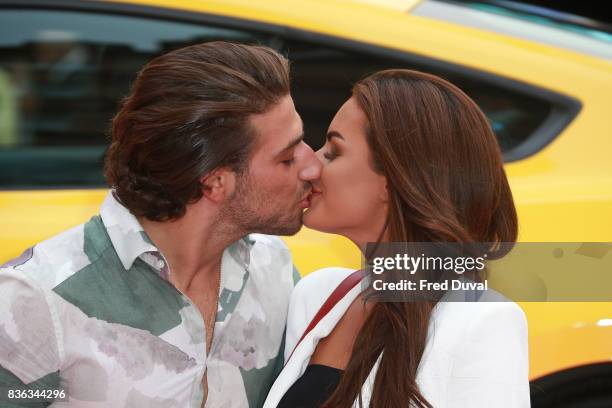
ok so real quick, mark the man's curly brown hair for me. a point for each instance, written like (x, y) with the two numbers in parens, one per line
(186, 115)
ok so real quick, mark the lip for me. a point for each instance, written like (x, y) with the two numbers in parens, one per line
(315, 192)
(305, 202)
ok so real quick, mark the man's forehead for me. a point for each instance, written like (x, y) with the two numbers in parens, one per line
(281, 111)
(278, 127)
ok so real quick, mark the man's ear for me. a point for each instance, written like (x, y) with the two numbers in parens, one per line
(219, 184)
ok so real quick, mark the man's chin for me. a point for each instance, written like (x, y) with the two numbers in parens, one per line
(290, 232)
(286, 229)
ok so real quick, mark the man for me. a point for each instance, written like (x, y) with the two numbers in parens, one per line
(166, 299)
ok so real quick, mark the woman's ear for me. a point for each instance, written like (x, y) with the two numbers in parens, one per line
(218, 185)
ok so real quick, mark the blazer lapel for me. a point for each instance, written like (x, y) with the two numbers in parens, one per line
(297, 363)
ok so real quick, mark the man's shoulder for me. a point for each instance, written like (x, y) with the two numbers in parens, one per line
(273, 259)
(50, 262)
(271, 252)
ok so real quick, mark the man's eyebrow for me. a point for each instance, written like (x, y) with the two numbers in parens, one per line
(332, 134)
(290, 145)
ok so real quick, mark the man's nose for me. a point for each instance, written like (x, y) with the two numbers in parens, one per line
(319, 154)
(312, 167)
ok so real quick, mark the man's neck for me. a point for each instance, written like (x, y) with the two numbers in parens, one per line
(192, 245)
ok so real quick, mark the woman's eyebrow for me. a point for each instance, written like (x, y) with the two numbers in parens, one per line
(333, 134)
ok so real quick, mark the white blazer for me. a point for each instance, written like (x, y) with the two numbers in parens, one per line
(476, 354)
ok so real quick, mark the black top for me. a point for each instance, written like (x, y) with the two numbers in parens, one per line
(313, 388)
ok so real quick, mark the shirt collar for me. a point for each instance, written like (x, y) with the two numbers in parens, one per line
(130, 240)
(125, 232)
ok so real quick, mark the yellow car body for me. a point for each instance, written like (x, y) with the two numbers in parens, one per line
(563, 192)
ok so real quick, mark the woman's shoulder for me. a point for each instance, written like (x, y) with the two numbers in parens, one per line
(492, 324)
(323, 279)
(505, 313)
(491, 305)
(307, 297)
(314, 288)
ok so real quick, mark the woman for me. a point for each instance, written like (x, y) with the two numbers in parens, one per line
(409, 158)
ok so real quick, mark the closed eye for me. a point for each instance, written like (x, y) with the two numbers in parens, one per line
(331, 155)
(288, 162)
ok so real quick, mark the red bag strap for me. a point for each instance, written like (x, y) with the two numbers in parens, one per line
(341, 290)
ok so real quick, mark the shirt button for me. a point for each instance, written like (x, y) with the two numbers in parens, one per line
(161, 264)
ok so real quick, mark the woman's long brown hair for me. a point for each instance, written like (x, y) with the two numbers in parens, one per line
(446, 183)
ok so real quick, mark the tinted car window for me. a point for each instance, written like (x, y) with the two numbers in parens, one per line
(323, 77)
(62, 75)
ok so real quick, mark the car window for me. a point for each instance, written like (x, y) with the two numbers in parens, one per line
(323, 77)
(62, 75)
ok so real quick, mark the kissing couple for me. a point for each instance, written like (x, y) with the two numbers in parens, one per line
(180, 294)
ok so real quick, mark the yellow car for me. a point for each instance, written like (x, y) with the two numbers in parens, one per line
(544, 81)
